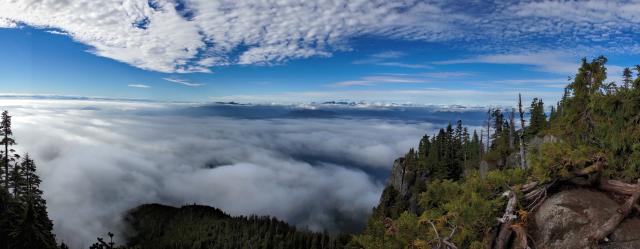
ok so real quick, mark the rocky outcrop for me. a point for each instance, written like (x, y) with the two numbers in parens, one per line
(397, 180)
(567, 219)
(536, 142)
(407, 180)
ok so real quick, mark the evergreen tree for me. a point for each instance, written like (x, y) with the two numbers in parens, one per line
(538, 119)
(424, 146)
(636, 82)
(7, 141)
(476, 144)
(17, 180)
(24, 222)
(30, 233)
(578, 116)
(627, 78)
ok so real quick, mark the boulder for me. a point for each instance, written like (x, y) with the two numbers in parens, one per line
(567, 219)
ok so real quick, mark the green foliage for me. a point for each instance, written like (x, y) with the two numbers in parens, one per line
(24, 222)
(538, 118)
(194, 226)
(594, 119)
(558, 160)
(470, 204)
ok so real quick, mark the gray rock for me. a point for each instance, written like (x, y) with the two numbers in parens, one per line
(397, 178)
(567, 219)
(484, 169)
(537, 141)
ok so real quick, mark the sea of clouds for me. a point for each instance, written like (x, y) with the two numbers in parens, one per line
(99, 159)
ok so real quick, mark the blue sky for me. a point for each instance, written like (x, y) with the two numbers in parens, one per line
(426, 52)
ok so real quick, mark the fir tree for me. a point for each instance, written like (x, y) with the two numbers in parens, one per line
(7, 141)
(636, 82)
(538, 119)
(627, 78)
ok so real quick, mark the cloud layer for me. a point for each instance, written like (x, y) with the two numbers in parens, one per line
(99, 158)
(204, 33)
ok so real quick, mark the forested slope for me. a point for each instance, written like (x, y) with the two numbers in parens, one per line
(485, 190)
(195, 226)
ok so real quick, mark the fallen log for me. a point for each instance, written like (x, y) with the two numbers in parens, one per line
(613, 222)
(618, 187)
(506, 221)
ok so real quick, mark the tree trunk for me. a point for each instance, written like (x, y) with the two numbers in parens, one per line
(512, 127)
(488, 129)
(523, 161)
(6, 162)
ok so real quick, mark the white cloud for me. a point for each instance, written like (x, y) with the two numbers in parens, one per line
(158, 37)
(7, 23)
(299, 170)
(213, 33)
(445, 75)
(435, 96)
(388, 58)
(559, 62)
(183, 82)
(56, 32)
(138, 86)
(381, 79)
(389, 55)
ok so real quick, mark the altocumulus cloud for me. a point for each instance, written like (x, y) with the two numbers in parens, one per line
(208, 33)
(100, 158)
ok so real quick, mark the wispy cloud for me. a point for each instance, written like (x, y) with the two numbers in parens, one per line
(445, 75)
(322, 28)
(138, 86)
(57, 32)
(267, 31)
(183, 82)
(389, 55)
(530, 81)
(560, 62)
(534, 83)
(390, 59)
(379, 80)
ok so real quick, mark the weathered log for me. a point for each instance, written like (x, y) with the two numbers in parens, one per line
(528, 187)
(520, 241)
(511, 205)
(618, 187)
(507, 218)
(613, 222)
